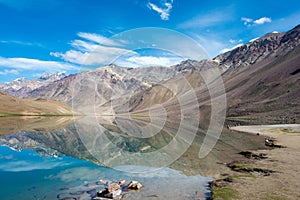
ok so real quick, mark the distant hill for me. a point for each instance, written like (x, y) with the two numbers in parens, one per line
(21, 87)
(10, 106)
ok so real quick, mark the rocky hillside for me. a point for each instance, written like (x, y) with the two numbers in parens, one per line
(111, 82)
(263, 49)
(22, 87)
(264, 85)
(261, 80)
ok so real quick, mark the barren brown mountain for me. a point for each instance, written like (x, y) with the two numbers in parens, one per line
(10, 105)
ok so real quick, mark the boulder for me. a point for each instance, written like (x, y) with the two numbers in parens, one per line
(134, 185)
(113, 187)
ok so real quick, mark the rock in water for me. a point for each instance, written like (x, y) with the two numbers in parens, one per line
(122, 182)
(116, 194)
(112, 191)
(113, 187)
(110, 195)
(134, 185)
(102, 182)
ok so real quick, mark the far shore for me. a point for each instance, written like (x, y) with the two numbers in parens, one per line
(284, 180)
(14, 123)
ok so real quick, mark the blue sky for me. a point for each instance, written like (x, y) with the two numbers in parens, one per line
(59, 35)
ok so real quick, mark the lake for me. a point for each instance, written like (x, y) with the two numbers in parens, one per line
(61, 158)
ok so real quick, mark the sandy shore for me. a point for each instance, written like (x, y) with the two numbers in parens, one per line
(284, 183)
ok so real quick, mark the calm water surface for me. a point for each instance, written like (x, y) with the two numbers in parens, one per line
(45, 164)
(68, 162)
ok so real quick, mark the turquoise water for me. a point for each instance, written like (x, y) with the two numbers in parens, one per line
(26, 175)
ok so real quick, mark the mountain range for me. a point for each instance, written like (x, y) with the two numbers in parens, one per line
(261, 80)
(21, 87)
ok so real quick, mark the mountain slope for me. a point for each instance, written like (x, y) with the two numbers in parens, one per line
(261, 81)
(271, 88)
(263, 49)
(105, 82)
(267, 89)
(10, 105)
(21, 87)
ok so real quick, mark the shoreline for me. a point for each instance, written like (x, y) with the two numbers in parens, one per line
(264, 174)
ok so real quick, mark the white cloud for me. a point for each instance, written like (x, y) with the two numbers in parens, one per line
(84, 52)
(77, 173)
(83, 45)
(71, 56)
(232, 41)
(260, 21)
(34, 64)
(100, 55)
(98, 50)
(98, 39)
(229, 49)
(6, 72)
(27, 165)
(21, 43)
(263, 20)
(146, 61)
(246, 20)
(164, 12)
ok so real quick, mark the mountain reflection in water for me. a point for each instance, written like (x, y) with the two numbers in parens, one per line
(76, 154)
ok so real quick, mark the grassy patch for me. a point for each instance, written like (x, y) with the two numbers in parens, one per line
(224, 193)
(241, 166)
(245, 168)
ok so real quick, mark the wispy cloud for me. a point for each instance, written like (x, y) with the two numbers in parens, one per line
(34, 64)
(77, 173)
(99, 39)
(164, 12)
(125, 50)
(7, 71)
(232, 41)
(146, 61)
(260, 21)
(18, 42)
(246, 20)
(93, 50)
(26, 165)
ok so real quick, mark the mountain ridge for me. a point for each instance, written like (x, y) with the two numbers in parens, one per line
(257, 77)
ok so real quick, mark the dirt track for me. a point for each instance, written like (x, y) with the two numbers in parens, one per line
(285, 182)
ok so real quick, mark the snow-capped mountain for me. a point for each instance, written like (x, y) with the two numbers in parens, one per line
(21, 87)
